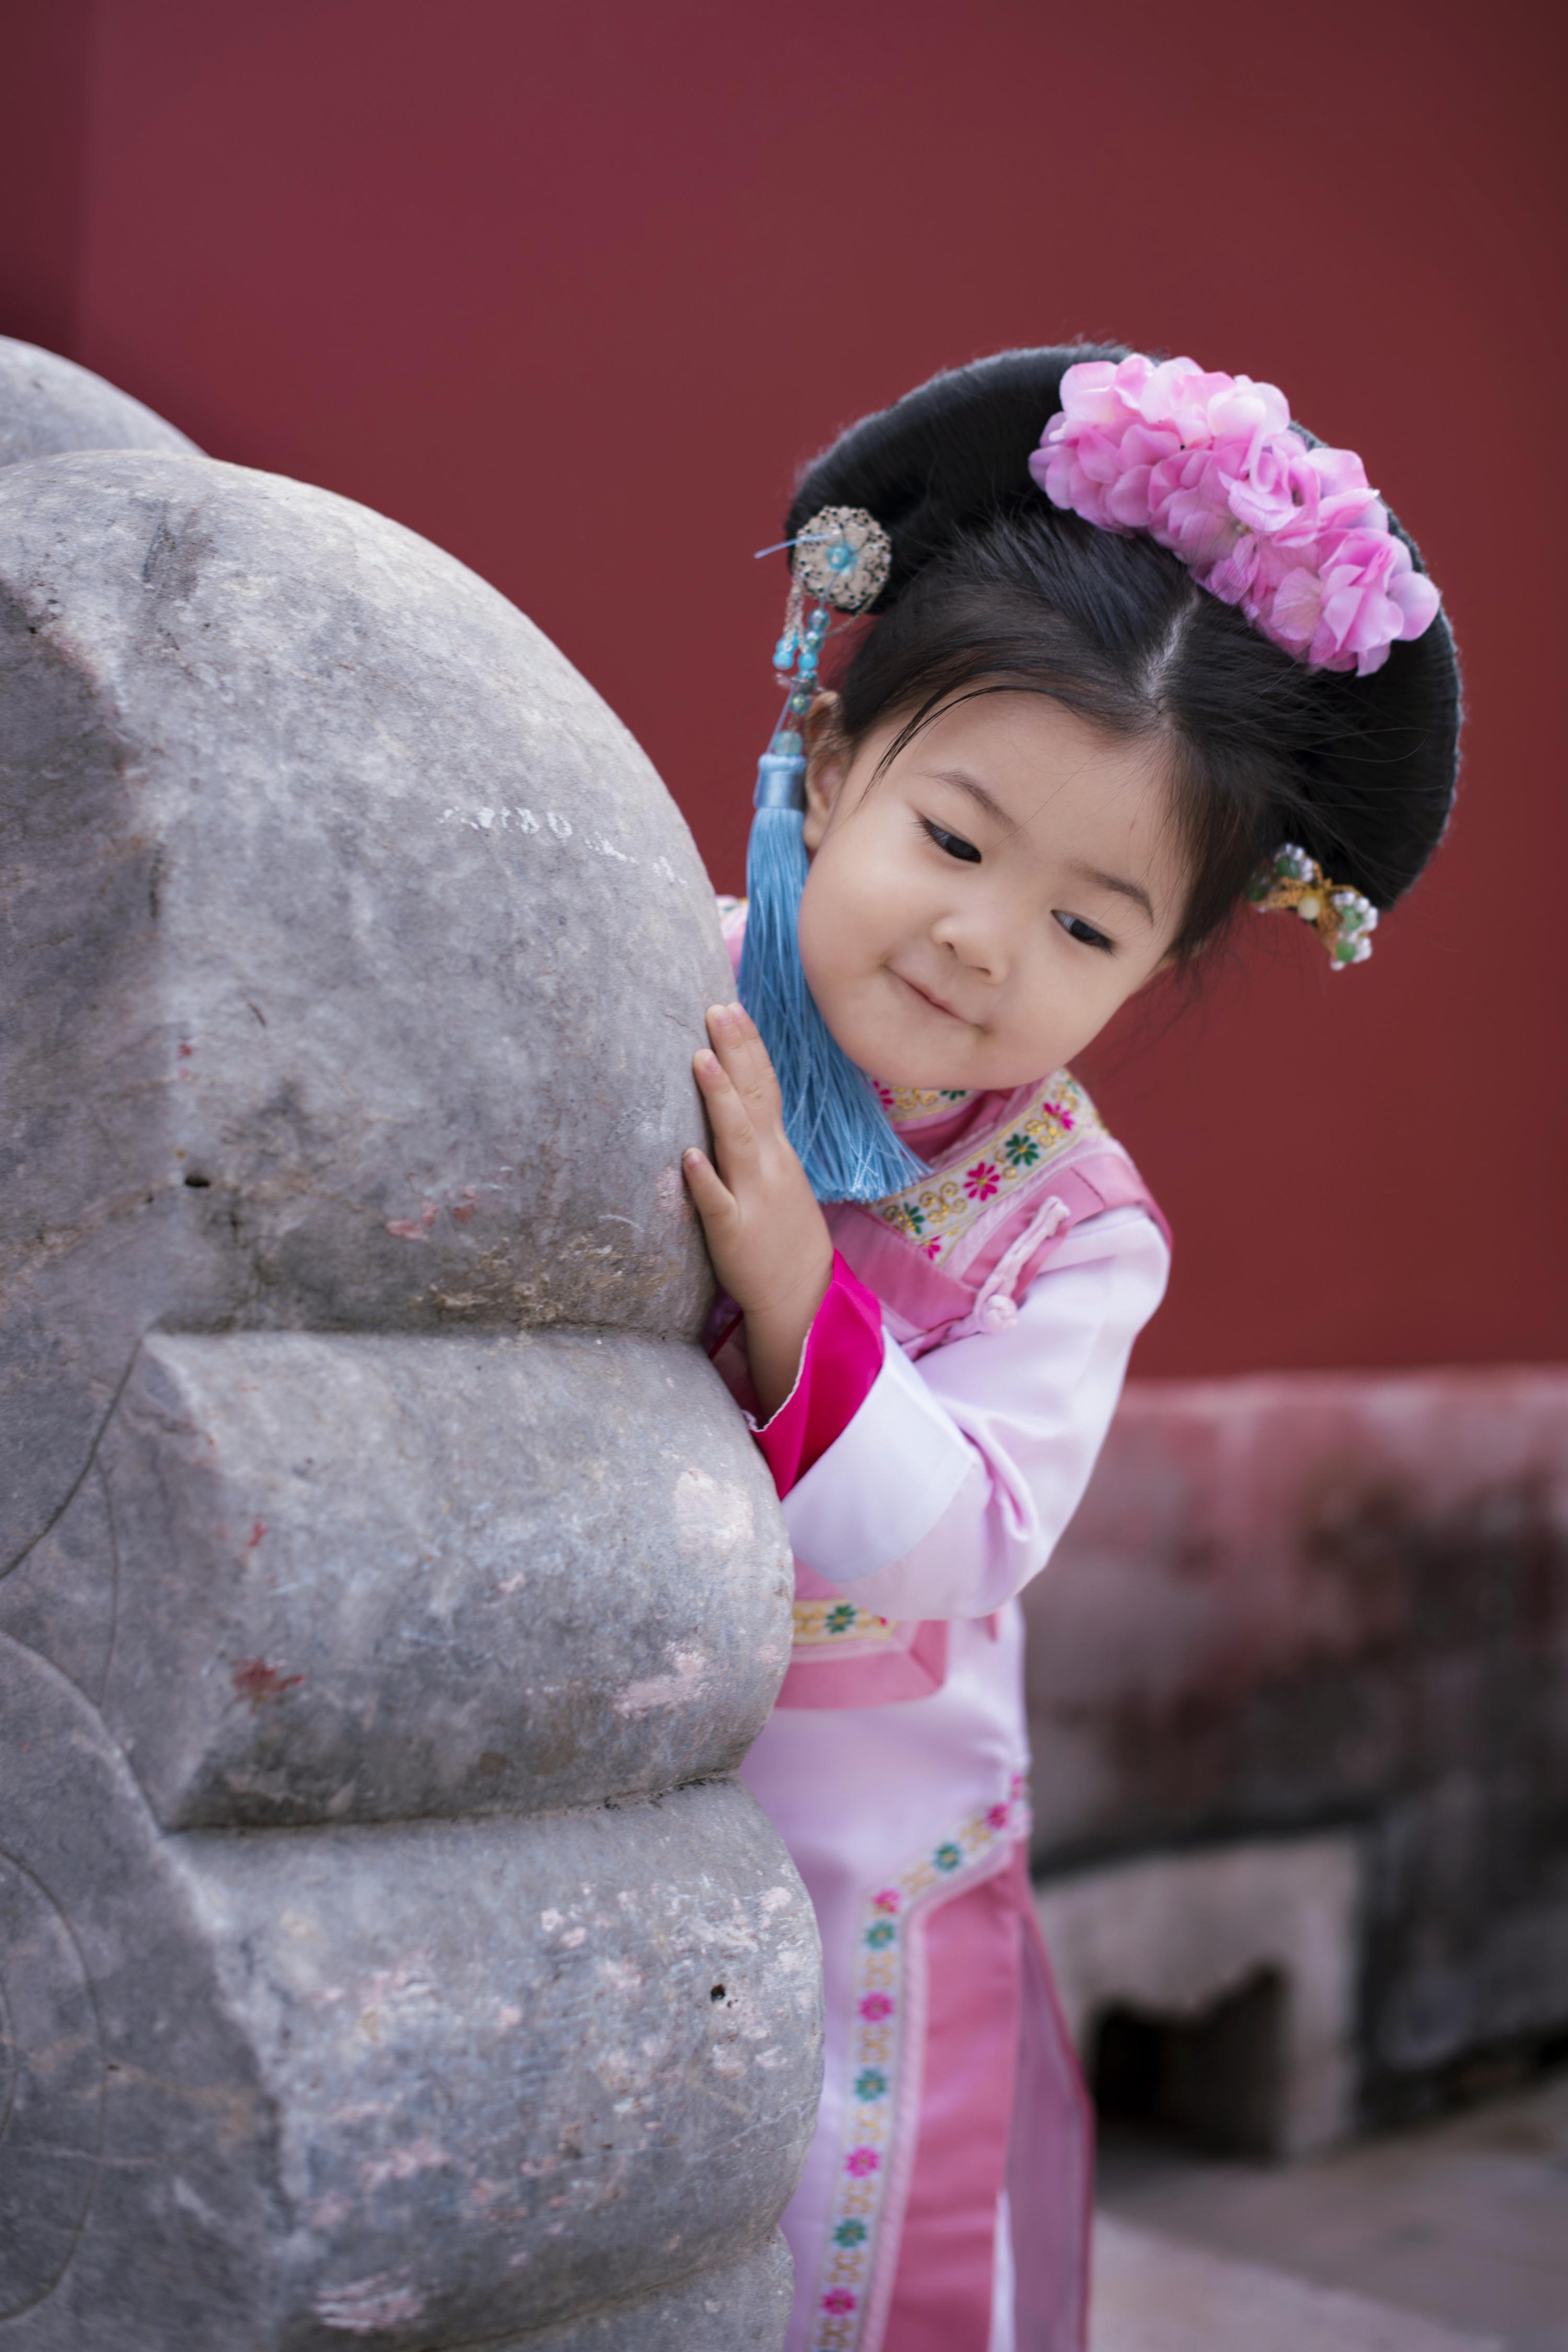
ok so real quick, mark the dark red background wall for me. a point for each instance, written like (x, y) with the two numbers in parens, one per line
(573, 289)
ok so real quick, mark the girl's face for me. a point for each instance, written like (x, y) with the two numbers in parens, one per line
(975, 917)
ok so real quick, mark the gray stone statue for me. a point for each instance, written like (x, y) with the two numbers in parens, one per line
(49, 405)
(388, 1590)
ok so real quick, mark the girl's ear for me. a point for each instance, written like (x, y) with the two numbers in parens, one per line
(826, 765)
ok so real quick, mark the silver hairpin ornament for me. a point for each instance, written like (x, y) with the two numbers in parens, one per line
(842, 558)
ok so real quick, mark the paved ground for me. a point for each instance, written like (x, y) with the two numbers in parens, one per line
(1464, 2220)
(1151, 2294)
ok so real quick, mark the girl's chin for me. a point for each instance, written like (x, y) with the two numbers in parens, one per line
(908, 1070)
(885, 1050)
(897, 1062)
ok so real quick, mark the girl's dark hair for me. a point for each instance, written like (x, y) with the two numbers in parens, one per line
(991, 587)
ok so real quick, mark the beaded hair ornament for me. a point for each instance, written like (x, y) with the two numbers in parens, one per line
(1291, 882)
(1211, 467)
(832, 1115)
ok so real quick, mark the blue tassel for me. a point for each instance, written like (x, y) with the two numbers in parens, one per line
(831, 1116)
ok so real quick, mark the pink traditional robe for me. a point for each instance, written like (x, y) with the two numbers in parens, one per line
(954, 1391)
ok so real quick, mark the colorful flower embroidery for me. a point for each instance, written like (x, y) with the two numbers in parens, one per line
(816, 1622)
(902, 1103)
(870, 2121)
(938, 1210)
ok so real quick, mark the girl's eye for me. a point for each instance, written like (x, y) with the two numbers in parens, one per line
(954, 843)
(1077, 928)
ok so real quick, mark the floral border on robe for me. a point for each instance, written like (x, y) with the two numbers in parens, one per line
(821, 1624)
(871, 2113)
(936, 1211)
(903, 1103)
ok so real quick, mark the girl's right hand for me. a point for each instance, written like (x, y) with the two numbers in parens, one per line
(766, 1231)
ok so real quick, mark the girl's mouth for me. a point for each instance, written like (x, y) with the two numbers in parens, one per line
(935, 1004)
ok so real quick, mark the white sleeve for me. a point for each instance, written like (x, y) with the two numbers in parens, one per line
(949, 1488)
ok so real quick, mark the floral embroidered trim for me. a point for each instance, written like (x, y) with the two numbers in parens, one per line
(870, 2115)
(920, 1102)
(937, 1211)
(818, 1621)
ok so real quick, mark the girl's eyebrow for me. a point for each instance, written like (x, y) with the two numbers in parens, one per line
(1123, 888)
(976, 791)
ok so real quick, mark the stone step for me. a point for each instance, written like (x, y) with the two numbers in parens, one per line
(1156, 2294)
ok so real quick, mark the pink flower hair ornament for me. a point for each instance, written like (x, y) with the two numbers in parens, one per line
(1210, 465)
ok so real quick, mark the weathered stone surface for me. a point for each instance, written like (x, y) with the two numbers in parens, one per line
(49, 405)
(366, 1580)
(554, 2056)
(59, 1598)
(128, 2188)
(353, 953)
(387, 1587)
(427, 2082)
(744, 2305)
(1338, 1600)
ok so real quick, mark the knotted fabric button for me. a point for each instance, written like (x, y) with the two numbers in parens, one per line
(999, 1313)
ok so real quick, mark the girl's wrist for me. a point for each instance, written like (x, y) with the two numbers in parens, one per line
(775, 1341)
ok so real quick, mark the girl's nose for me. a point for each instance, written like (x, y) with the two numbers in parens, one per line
(977, 940)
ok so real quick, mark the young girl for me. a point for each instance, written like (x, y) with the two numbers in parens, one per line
(1138, 648)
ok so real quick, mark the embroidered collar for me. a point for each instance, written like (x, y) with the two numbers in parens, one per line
(906, 1106)
(937, 1211)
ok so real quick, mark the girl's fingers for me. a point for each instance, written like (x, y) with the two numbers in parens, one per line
(734, 1137)
(714, 1200)
(739, 1045)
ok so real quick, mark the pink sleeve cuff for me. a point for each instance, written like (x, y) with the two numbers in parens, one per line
(838, 1369)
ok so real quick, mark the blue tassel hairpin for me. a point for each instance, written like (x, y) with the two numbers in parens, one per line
(831, 1116)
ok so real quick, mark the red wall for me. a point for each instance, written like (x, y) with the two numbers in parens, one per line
(572, 289)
